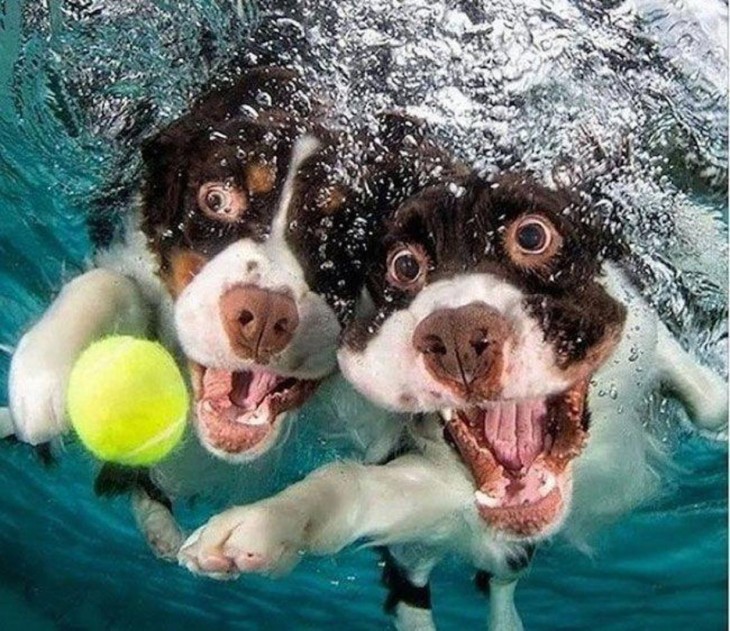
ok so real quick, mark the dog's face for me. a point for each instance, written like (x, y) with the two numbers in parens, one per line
(262, 245)
(488, 310)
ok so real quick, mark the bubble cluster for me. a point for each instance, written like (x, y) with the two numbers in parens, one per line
(631, 95)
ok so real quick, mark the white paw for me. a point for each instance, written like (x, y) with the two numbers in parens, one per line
(37, 389)
(409, 618)
(158, 525)
(250, 539)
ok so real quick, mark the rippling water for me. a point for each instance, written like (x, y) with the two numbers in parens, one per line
(538, 83)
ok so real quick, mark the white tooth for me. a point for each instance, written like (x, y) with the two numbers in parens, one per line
(207, 406)
(548, 485)
(447, 414)
(486, 500)
(259, 417)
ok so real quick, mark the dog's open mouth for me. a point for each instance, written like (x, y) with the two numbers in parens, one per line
(240, 413)
(518, 453)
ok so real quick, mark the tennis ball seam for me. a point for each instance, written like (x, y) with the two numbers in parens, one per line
(104, 369)
(158, 438)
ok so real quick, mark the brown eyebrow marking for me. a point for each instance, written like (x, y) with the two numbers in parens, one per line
(183, 266)
(260, 178)
(331, 199)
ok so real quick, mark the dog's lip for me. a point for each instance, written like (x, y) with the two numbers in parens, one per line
(526, 500)
(228, 421)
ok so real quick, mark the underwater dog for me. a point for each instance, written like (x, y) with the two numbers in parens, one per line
(247, 256)
(501, 319)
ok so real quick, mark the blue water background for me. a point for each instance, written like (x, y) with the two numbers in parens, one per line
(71, 561)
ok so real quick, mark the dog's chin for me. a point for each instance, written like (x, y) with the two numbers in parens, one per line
(519, 453)
(239, 414)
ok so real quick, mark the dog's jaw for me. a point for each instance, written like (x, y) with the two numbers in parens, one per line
(239, 415)
(520, 455)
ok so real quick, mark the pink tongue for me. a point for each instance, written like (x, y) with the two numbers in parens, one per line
(251, 387)
(514, 431)
(244, 389)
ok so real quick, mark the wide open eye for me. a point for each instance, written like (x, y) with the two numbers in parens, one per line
(533, 236)
(222, 201)
(407, 267)
(532, 240)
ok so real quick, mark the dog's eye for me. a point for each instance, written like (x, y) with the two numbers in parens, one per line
(532, 240)
(407, 266)
(222, 201)
(533, 236)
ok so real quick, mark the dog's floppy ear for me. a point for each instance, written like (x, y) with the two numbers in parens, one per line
(165, 168)
(609, 230)
(252, 92)
(588, 174)
(407, 158)
(397, 129)
(600, 223)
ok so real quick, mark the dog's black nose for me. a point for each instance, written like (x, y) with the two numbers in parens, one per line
(464, 347)
(259, 322)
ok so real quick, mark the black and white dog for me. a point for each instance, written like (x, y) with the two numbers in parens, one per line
(498, 326)
(247, 257)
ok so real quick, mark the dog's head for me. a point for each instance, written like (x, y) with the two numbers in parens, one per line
(262, 245)
(489, 310)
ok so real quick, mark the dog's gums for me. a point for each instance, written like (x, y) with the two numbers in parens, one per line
(240, 413)
(518, 453)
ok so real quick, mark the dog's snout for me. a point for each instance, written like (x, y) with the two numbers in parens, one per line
(464, 347)
(259, 322)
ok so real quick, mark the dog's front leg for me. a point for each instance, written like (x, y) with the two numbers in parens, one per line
(500, 589)
(91, 306)
(406, 500)
(406, 574)
(503, 614)
(154, 518)
(151, 506)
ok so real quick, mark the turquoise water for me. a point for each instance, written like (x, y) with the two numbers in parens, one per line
(80, 84)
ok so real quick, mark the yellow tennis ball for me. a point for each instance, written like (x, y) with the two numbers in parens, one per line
(127, 400)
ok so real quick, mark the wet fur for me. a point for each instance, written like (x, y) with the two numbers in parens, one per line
(167, 244)
(421, 503)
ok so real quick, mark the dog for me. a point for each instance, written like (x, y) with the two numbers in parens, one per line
(502, 319)
(247, 257)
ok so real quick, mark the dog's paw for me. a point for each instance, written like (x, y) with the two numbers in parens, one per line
(162, 533)
(37, 390)
(248, 539)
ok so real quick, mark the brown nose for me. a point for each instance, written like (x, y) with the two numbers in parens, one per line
(259, 322)
(464, 348)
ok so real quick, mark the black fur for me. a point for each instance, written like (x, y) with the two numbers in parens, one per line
(516, 564)
(461, 225)
(481, 581)
(338, 207)
(113, 480)
(400, 589)
(519, 562)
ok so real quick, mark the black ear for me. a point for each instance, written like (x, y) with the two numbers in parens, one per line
(254, 91)
(165, 177)
(407, 158)
(609, 229)
(398, 129)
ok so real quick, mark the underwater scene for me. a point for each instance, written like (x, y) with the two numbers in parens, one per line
(629, 95)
